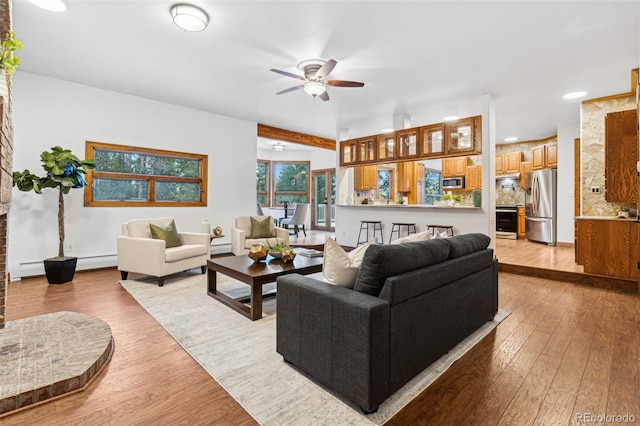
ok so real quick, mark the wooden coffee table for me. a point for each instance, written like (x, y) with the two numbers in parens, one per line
(244, 269)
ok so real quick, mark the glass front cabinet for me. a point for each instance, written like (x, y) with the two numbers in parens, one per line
(386, 147)
(432, 140)
(348, 152)
(407, 141)
(367, 150)
(462, 136)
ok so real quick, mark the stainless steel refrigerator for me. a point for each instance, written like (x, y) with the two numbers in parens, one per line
(541, 205)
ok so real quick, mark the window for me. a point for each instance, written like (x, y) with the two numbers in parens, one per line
(385, 183)
(290, 182)
(432, 186)
(127, 176)
(262, 182)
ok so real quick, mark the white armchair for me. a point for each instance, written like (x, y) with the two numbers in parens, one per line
(139, 252)
(240, 241)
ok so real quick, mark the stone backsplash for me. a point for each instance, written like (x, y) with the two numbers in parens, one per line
(592, 153)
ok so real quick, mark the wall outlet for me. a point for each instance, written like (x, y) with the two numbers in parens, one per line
(68, 247)
(595, 189)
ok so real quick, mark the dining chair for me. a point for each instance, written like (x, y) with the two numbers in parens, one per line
(298, 219)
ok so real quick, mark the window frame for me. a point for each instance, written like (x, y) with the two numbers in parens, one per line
(274, 192)
(91, 147)
(267, 193)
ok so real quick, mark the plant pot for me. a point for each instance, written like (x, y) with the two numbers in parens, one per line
(60, 270)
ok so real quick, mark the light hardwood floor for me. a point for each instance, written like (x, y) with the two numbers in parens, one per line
(564, 350)
(526, 253)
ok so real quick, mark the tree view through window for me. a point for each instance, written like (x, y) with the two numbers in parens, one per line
(291, 182)
(432, 186)
(143, 176)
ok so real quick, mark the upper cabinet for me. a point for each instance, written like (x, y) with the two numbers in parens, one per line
(386, 144)
(500, 163)
(473, 177)
(432, 140)
(463, 136)
(455, 166)
(365, 178)
(620, 156)
(512, 162)
(544, 156)
(367, 150)
(525, 167)
(452, 139)
(407, 141)
(348, 152)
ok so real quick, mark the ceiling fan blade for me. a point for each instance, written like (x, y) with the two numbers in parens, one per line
(324, 96)
(344, 83)
(325, 69)
(288, 74)
(290, 89)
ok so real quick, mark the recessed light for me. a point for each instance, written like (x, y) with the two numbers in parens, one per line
(511, 139)
(450, 118)
(50, 5)
(574, 95)
(387, 130)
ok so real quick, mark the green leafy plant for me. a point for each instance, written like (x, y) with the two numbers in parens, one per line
(447, 197)
(9, 61)
(64, 172)
(278, 247)
(458, 198)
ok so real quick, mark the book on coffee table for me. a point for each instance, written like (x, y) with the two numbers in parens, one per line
(309, 252)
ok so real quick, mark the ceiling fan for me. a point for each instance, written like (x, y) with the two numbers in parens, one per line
(315, 78)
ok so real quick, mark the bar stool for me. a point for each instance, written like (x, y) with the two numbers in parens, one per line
(397, 226)
(364, 226)
(433, 228)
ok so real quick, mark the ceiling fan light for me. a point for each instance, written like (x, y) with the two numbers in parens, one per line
(189, 18)
(278, 146)
(314, 88)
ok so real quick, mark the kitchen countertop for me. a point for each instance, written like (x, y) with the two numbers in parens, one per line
(408, 206)
(631, 219)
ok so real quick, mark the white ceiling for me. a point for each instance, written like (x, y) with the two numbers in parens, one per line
(421, 59)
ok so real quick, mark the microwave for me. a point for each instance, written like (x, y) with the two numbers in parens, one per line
(453, 183)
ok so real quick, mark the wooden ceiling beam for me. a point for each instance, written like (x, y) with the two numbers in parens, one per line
(295, 137)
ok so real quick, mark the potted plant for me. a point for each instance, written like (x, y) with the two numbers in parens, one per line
(64, 172)
(9, 61)
(623, 213)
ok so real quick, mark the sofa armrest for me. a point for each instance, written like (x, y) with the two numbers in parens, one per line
(337, 336)
(283, 233)
(238, 236)
(137, 254)
(195, 238)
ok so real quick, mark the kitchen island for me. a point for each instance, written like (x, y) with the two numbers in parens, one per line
(463, 218)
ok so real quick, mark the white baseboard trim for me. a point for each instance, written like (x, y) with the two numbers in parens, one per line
(31, 269)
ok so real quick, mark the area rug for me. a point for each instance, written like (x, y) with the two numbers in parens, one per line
(241, 355)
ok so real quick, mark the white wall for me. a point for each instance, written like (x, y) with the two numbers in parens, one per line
(567, 133)
(49, 112)
(319, 158)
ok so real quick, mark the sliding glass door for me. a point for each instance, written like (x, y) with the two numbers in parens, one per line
(323, 212)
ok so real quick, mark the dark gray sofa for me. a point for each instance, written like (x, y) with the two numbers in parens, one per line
(410, 305)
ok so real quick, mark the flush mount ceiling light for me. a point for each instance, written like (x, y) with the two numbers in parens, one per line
(278, 146)
(189, 17)
(450, 118)
(315, 88)
(574, 95)
(511, 139)
(50, 5)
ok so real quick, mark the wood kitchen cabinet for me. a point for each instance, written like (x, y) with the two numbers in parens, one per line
(348, 152)
(454, 167)
(386, 147)
(500, 164)
(522, 223)
(405, 176)
(525, 167)
(432, 140)
(545, 156)
(367, 150)
(620, 156)
(461, 136)
(473, 178)
(608, 247)
(417, 173)
(537, 157)
(512, 162)
(365, 178)
(407, 141)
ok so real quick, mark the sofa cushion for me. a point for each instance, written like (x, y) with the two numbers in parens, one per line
(420, 236)
(184, 251)
(467, 243)
(341, 267)
(382, 261)
(260, 227)
(168, 233)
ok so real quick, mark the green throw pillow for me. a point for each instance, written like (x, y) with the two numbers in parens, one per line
(168, 233)
(260, 228)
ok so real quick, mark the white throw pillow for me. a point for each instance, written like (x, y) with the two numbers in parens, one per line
(420, 236)
(341, 267)
(443, 234)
